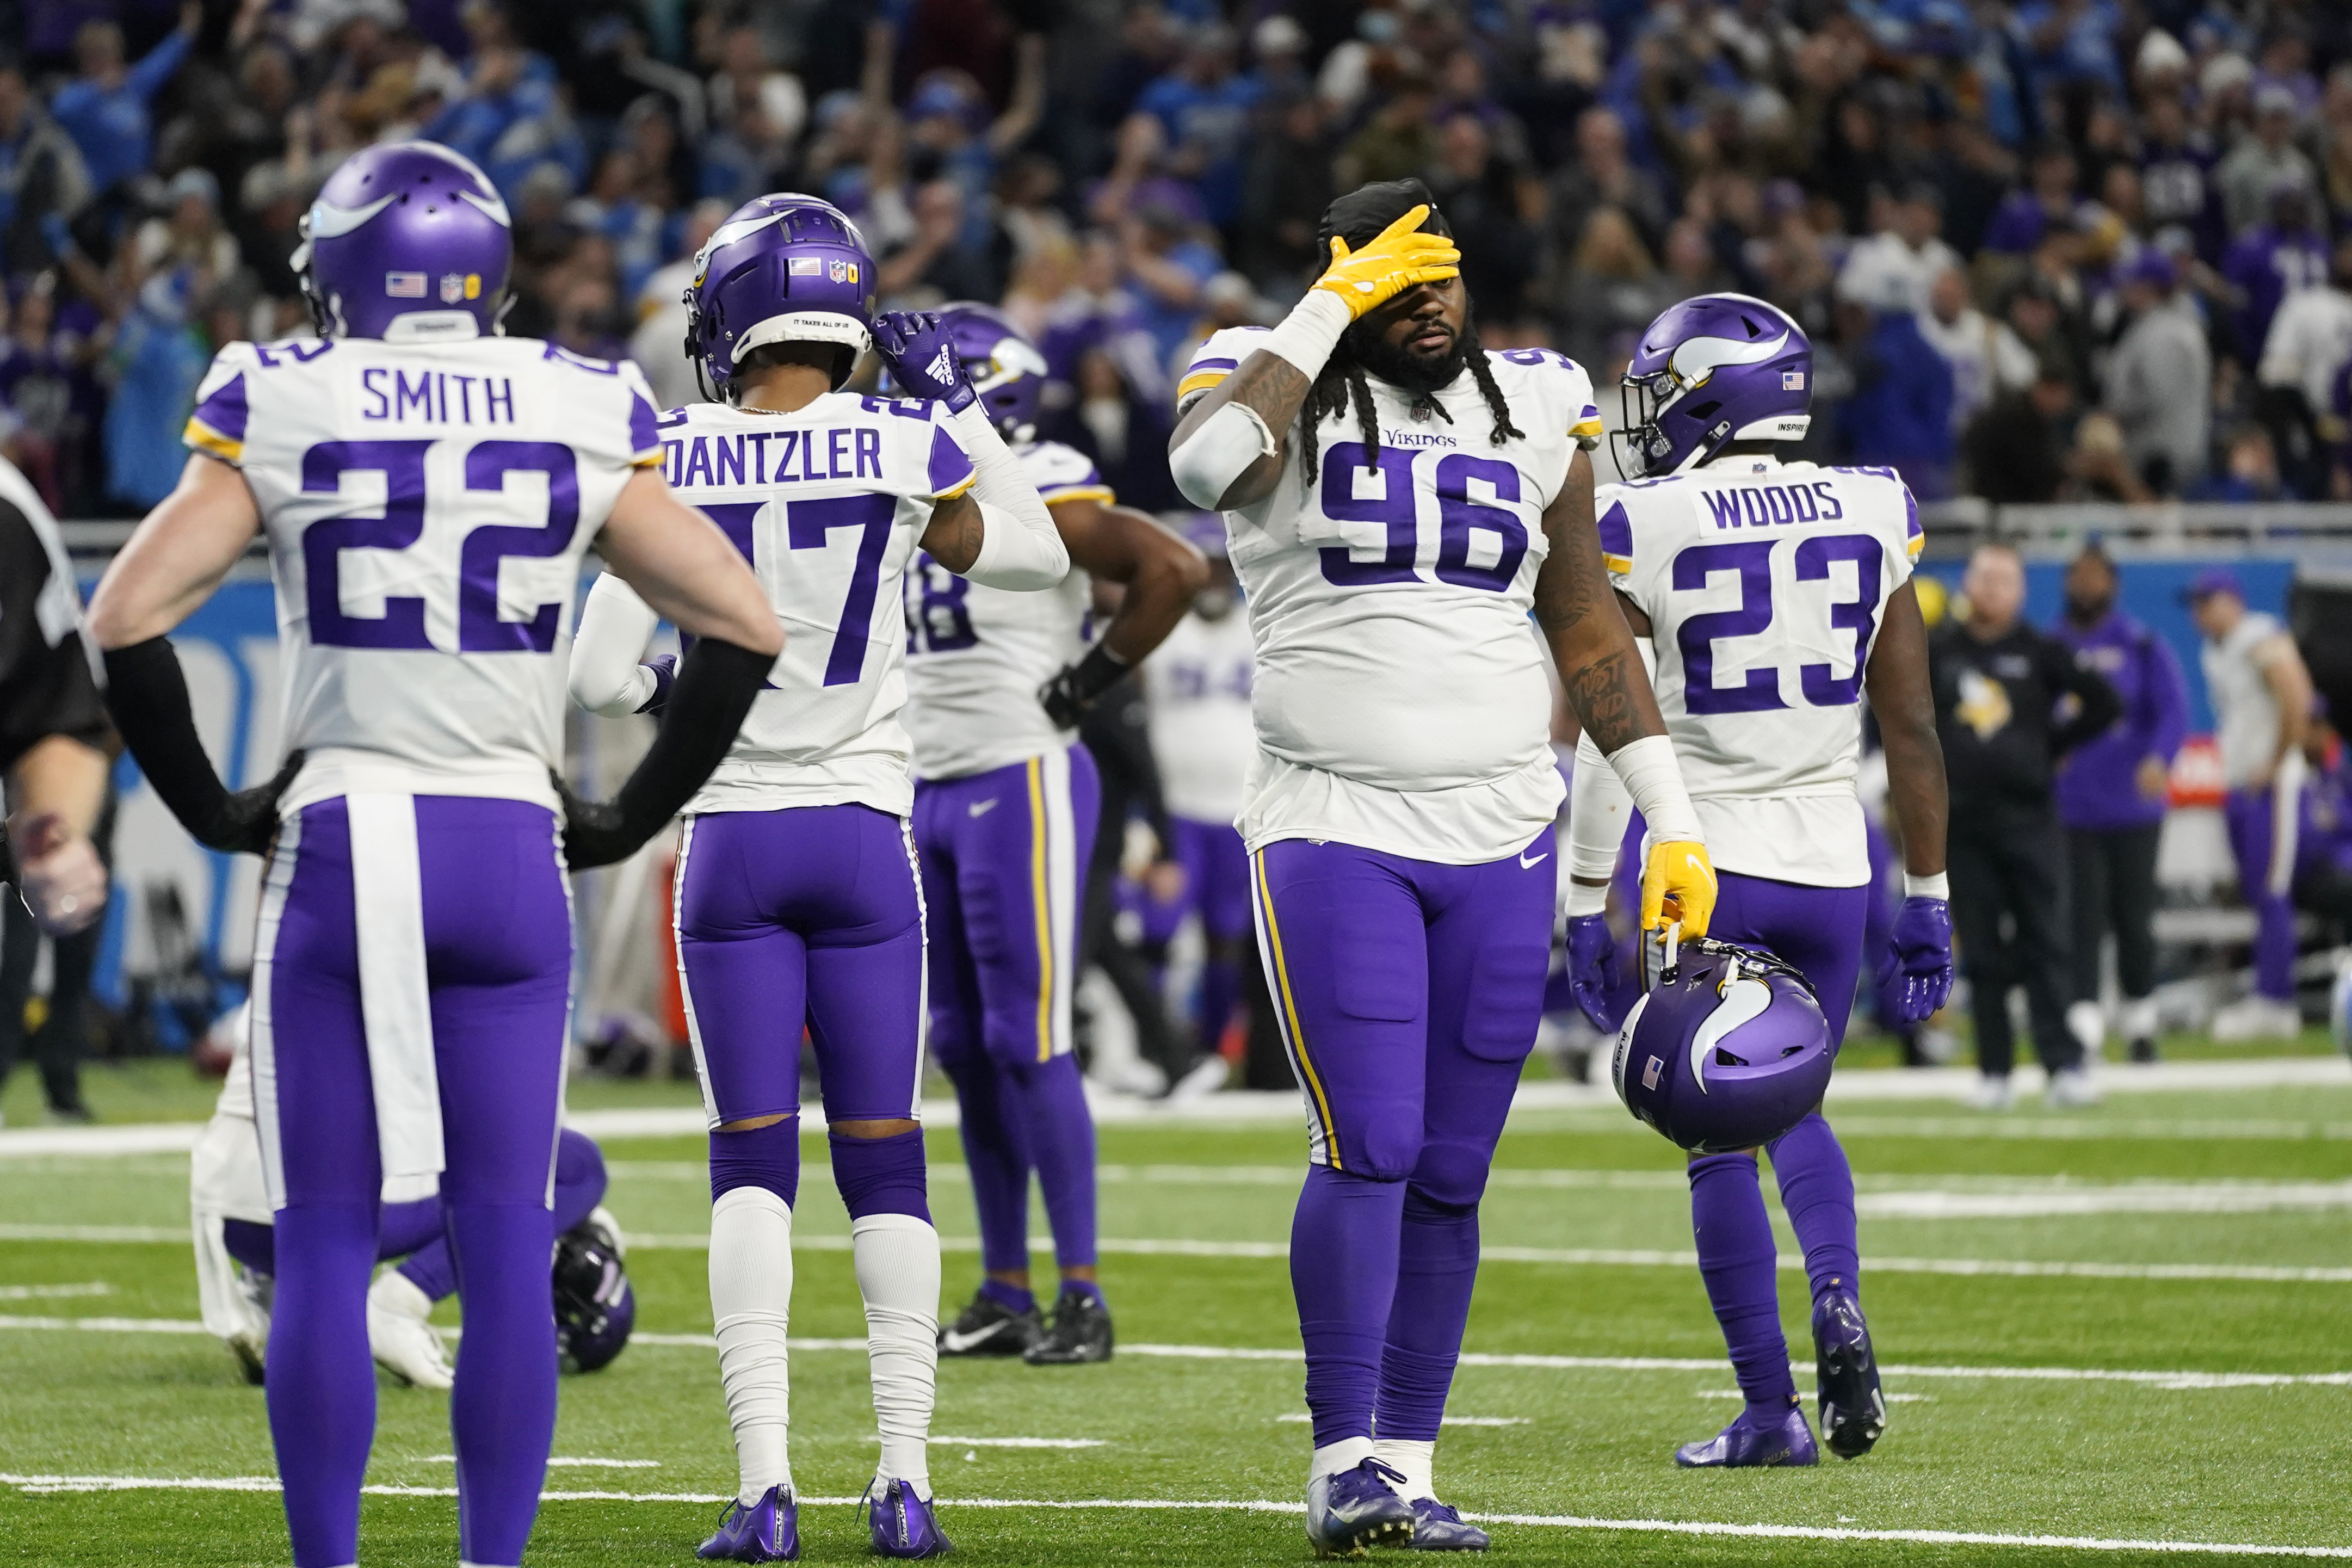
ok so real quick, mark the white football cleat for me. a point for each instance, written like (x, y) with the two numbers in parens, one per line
(1992, 1093)
(1206, 1076)
(2257, 1017)
(400, 1339)
(2071, 1089)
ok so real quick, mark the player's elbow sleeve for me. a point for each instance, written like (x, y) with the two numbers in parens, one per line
(1217, 452)
(1016, 554)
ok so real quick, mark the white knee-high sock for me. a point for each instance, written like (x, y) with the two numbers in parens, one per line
(750, 1305)
(1412, 1459)
(898, 1259)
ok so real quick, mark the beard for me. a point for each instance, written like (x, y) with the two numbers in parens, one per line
(1400, 368)
(2089, 611)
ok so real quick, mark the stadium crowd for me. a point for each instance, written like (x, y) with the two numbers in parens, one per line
(2016, 233)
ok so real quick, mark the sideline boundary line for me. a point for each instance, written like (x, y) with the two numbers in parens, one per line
(55, 1485)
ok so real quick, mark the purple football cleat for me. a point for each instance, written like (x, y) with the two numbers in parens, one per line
(1854, 1410)
(904, 1525)
(1747, 1443)
(767, 1531)
(1437, 1528)
(1350, 1509)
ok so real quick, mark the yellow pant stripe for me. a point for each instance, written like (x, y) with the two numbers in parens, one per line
(1290, 1014)
(1039, 895)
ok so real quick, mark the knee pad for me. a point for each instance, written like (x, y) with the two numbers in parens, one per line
(765, 1157)
(1448, 1177)
(580, 1164)
(881, 1175)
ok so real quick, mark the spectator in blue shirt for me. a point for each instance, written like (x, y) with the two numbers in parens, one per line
(1205, 110)
(105, 110)
(1901, 414)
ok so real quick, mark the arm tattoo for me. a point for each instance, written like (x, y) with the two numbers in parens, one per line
(955, 533)
(1604, 693)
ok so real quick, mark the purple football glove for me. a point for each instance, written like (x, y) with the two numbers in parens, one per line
(665, 673)
(1916, 974)
(1594, 976)
(921, 358)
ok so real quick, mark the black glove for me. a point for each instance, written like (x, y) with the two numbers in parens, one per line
(717, 682)
(1077, 687)
(148, 696)
(665, 671)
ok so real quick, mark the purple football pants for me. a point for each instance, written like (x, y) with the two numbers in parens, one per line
(487, 957)
(1005, 855)
(418, 1234)
(1217, 885)
(804, 918)
(1407, 994)
(1819, 931)
(2253, 828)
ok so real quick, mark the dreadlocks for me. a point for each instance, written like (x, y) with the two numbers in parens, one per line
(1344, 381)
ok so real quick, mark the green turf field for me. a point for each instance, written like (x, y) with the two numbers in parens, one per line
(2126, 1325)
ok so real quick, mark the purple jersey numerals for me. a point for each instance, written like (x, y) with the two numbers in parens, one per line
(809, 525)
(938, 620)
(480, 628)
(1395, 507)
(1759, 690)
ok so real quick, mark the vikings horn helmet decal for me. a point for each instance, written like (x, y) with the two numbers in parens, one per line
(1729, 1051)
(1708, 372)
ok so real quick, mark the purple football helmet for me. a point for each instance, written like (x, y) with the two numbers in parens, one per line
(406, 241)
(1005, 367)
(782, 268)
(594, 1308)
(1729, 1051)
(1708, 372)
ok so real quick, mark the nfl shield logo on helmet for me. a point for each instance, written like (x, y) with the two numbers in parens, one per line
(842, 271)
(803, 267)
(404, 285)
(453, 287)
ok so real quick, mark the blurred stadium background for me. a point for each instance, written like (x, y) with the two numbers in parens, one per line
(2078, 269)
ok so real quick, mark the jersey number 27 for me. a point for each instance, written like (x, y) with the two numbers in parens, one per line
(1752, 561)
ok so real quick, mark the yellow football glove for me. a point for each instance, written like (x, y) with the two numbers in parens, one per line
(1396, 259)
(1678, 885)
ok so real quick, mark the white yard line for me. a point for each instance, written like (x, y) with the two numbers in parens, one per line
(2150, 1379)
(99, 1232)
(53, 1293)
(50, 1485)
(1300, 1417)
(559, 1461)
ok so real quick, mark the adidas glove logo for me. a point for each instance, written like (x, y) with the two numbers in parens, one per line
(942, 369)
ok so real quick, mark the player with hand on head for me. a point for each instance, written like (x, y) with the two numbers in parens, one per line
(1717, 538)
(798, 906)
(1004, 817)
(427, 488)
(1397, 501)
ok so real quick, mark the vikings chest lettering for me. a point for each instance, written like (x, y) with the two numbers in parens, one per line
(1774, 506)
(774, 457)
(435, 396)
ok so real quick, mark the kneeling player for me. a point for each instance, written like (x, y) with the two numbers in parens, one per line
(798, 902)
(236, 1249)
(1809, 569)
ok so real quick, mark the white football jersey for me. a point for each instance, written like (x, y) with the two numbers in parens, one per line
(1764, 584)
(426, 507)
(1196, 689)
(2245, 714)
(827, 504)
(1401, 700)
(976, 655)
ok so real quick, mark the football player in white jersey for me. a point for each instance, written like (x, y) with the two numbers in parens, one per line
(1397, 501)
(428, 489)
(1198, 691)
(797, 899)
(1776, 596)
(1004, 818)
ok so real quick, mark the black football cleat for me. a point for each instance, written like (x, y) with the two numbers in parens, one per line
(989, 1327)
(1853, 1410)
(1081, 1333)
